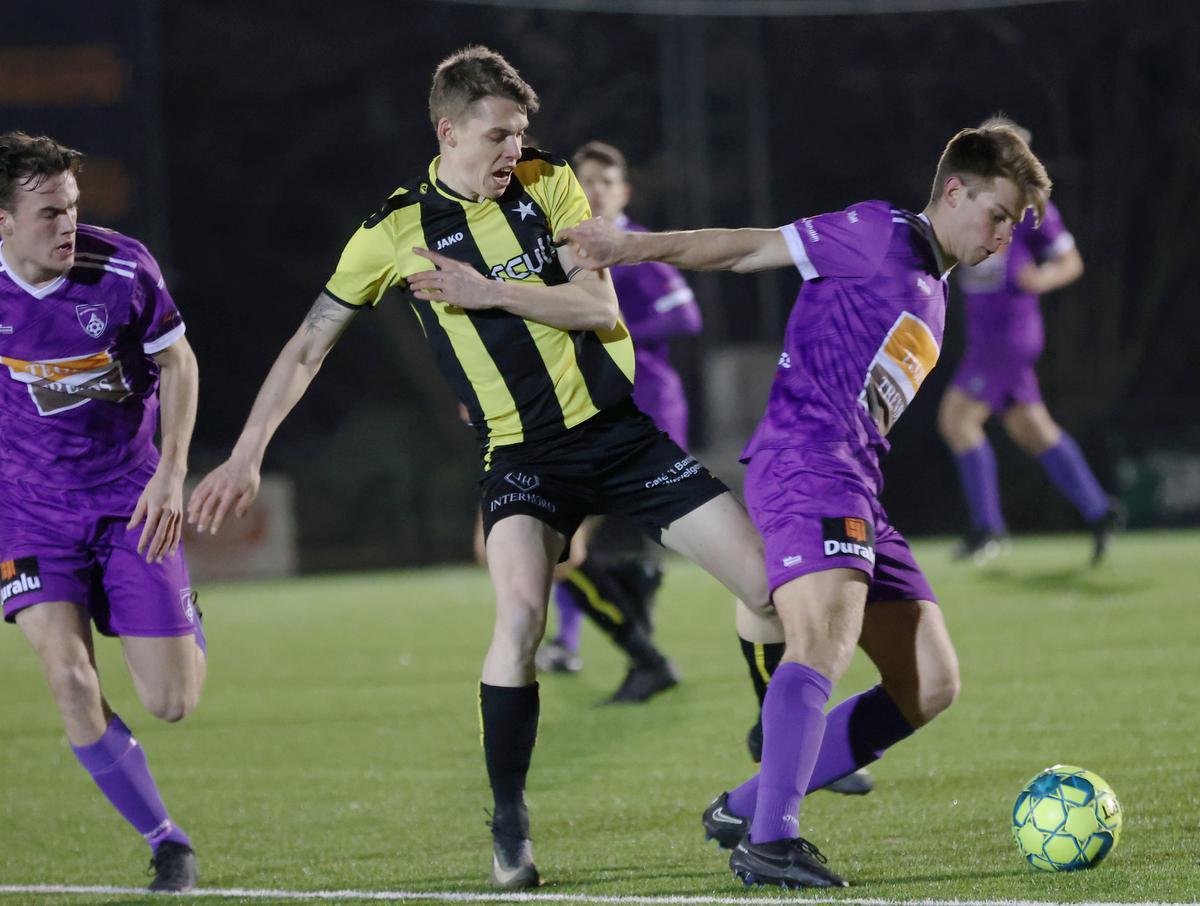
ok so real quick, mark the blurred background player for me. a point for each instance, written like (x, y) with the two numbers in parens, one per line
(1005, 338)
(93, 345)
(616, 583)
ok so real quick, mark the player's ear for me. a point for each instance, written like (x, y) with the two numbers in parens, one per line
(445, 132)
(954, 190)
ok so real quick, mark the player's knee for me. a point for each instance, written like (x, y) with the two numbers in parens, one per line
(522, 621)
(173, 704)
(829, 655)
(936, 695)
(759, 605)
(73, 682)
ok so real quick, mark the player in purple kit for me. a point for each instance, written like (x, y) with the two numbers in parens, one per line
(864, 333)
(1004, 341)
(616, 584)
(91, 345)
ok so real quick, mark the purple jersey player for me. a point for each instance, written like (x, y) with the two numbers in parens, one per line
(657, 304)
(90, 344)
(996, 375)
(863, 335)
(619, 572)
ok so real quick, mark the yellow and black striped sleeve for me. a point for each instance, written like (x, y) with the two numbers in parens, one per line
(367, 267)
(558, 192)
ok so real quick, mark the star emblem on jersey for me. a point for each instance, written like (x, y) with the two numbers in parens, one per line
(93, 319)
(525, 209)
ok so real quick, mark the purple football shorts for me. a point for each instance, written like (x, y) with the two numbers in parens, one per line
(72, 545)
(999, 384)
(816, 509)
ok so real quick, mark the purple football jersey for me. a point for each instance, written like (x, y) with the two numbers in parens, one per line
(864, 333)
(656, 304)
(1003, 320)
(79, 404)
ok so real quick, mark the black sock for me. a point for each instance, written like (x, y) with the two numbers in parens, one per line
(762, 658)
(509, 717)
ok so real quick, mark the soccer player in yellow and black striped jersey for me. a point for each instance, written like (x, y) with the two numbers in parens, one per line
(535, 348)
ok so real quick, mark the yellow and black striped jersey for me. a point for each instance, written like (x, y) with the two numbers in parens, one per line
(519, 379)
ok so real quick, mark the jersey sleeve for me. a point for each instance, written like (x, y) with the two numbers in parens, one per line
(367, 267)
(849, 243)
(567, 205)
(660, 304)
(1051, 239)
(156, 318)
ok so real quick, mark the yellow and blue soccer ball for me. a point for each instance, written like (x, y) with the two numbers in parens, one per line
(1065, 819)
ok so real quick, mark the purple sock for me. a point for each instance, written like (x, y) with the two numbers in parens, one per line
(793, 724)
(570, 617)
(118, 765)
(857, 732)
(1069, 471)
(977, 472)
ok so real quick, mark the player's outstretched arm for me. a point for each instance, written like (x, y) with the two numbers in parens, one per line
(596, 243)
(586, 301)
(234, 483)
(159, 509)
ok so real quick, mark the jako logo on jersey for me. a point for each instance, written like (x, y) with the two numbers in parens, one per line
(794, 560)
(520, 480)
(522, 266)
(449, 240)
(849, 536)
(924, 286)
(18, 577)
(92, 318)
(811, 230)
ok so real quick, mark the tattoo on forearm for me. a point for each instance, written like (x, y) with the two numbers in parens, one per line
(323, 311)
(574, 272)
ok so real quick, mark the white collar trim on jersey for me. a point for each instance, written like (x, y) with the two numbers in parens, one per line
(38, 292)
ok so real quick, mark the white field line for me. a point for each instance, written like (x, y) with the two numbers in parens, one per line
(498, 897)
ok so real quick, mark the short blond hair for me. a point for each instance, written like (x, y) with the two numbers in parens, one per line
(995, 150)
(472, 74)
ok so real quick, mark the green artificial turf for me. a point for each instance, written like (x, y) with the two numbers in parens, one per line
(337, 744)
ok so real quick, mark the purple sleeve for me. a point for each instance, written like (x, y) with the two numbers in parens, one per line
(659, 304)
(156, 319)
(849, 243)
(1049, 240)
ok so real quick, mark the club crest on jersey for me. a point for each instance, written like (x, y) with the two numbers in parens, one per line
(187, 601)
(849, 536)
(93, 319)
(19, 576)
(522, 481)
